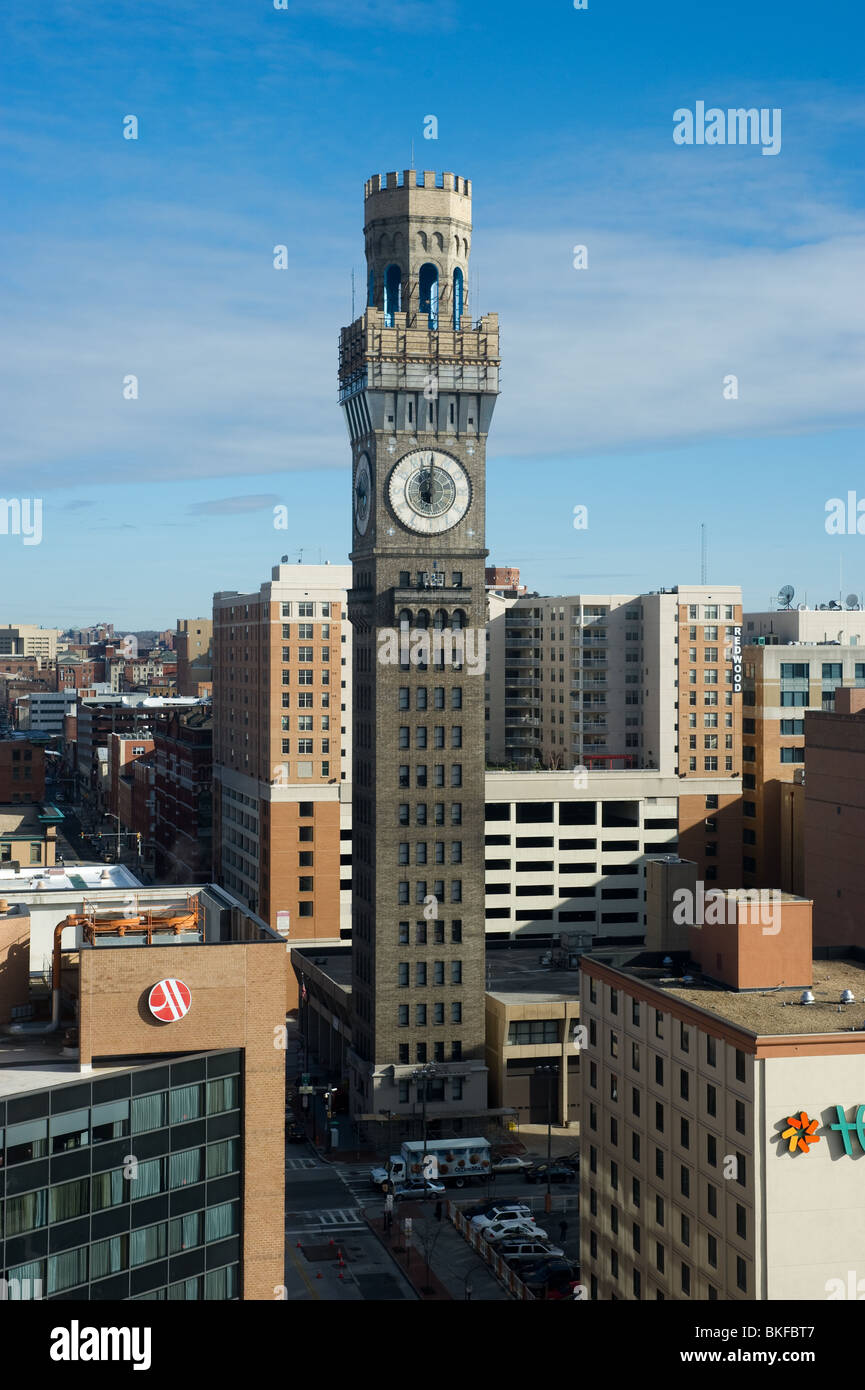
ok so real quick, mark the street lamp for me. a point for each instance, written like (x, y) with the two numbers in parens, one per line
(111, 816)
(422, 1077)
(551, 1069)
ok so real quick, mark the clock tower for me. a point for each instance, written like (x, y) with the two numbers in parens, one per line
(418, 382)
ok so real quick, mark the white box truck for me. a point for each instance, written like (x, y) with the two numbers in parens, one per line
(454, 1162)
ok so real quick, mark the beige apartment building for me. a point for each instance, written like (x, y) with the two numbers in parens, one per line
(780, 683)
(720, 1093)
(624, 682)
(282, 747)
(193, 643)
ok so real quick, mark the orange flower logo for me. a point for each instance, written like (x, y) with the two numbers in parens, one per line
(801, 1133)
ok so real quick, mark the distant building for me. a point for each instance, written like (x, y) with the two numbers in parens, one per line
(193, 643)
(25, 639)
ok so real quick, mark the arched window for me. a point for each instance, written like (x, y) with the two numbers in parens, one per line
(392, 294)
(370, 289)
(458, 297)
(440, 620)
(458, 620)
(404, 620)
(423, 619)
(428, 293)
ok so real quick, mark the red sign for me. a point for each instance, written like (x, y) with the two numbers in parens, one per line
(169, 1000)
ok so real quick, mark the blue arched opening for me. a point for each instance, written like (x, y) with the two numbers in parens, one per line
(370, 289)
(392, 294)
(458, 297)
(428, 293)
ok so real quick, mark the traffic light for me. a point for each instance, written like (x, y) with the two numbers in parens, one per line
(306, 1081)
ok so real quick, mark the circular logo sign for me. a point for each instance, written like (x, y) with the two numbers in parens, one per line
(169, 1000)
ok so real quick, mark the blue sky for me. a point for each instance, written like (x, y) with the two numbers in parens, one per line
(258, 127)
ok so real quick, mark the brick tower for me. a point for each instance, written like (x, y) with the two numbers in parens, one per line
(418, 384)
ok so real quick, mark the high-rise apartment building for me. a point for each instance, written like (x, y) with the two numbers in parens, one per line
(281, 745)
(624, 682)
(417, 384)
(780, 684)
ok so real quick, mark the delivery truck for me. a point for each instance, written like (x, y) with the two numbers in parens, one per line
(454, 1162)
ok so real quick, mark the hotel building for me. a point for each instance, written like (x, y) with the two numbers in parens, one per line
(141, 1125)
(282, 747)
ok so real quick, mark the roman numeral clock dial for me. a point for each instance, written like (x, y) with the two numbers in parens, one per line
(429, 492)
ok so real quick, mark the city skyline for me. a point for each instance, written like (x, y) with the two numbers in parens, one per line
(167, 273)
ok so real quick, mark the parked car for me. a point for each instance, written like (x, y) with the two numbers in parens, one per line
(416, 1190)
(478, 1209)
(519, 1252)
(512, 1163)
(512, 1230)
(294, 1134)
(505, 1211)
(550, 1273)
(558, 1172)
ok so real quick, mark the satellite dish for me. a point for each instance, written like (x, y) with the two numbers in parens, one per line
(852, 600)
(785, 594)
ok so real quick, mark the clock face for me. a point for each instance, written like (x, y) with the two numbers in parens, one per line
(362, 493)
(429, 491)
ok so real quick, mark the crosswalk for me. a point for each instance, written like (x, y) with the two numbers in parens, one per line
(358, 1183)
(327, 1219)
(296, 1165)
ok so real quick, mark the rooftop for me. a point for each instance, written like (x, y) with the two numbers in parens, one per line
(771, 1012)
(76, 876)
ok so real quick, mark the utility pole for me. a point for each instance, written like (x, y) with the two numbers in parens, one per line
(550, 1070)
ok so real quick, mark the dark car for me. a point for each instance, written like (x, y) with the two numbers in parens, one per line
(480, 1208)
(550, 1274)
(557, 1172)
(294, 1134)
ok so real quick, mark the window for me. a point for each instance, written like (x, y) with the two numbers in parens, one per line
(402, 1015)
(684, 1133)
(659, 1024)
(685, 1181)
(711, 1099)
(740, 1117)
(659, 1070)
(712, 1199)
(456, 972)
(711, 1151)
(710, 1051)
(659, 1117)
(635, 1100)
(686, 1278)
(712, 1251)
(685, 1229)
(741, 1274)
(683, 1084)
(659, 1163)
(659, 1257)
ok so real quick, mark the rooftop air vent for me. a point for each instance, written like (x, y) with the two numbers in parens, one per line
(847, 996)
(806, 997)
